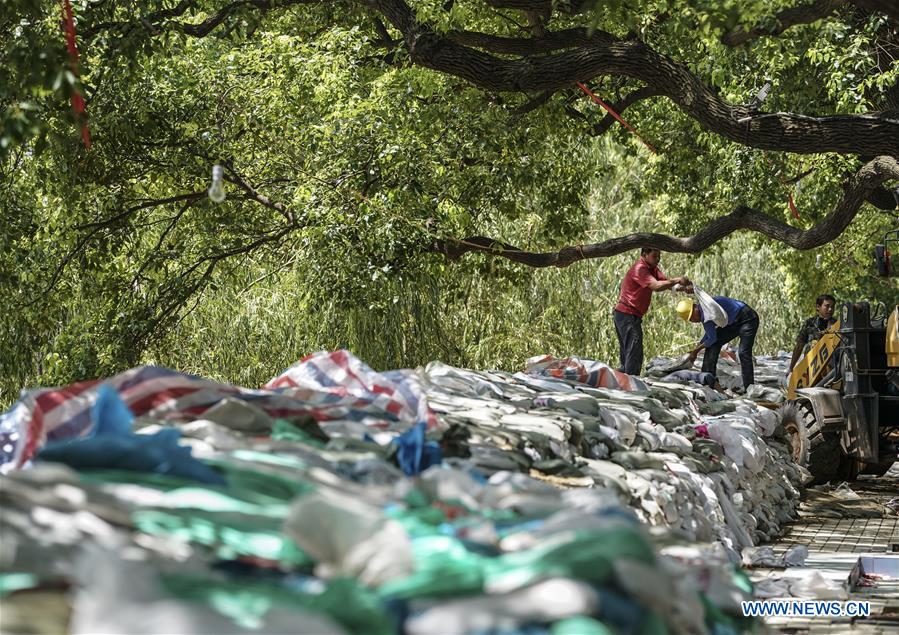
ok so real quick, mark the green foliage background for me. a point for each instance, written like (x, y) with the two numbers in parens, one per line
(375, 158)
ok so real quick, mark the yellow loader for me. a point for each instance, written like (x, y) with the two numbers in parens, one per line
(842, 413)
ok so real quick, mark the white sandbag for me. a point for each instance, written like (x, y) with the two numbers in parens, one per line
(546, 601)
(711, 310)
(349, 537)
(730, 440)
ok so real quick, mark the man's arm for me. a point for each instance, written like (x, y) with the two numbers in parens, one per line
(664, 285)
(693, 354)
(707, 340)
(801, 339)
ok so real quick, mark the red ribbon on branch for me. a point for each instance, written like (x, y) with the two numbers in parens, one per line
(794, 211)
(77, 98)
(615, 114)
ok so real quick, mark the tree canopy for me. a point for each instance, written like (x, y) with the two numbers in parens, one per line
(363, 140)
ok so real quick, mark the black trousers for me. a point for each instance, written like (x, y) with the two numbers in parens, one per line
(745, 327)
(629, 329)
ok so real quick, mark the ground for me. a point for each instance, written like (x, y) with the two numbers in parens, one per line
(838, 531)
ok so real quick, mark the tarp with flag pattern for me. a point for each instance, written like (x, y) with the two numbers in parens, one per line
(335, 386)
(584, 371)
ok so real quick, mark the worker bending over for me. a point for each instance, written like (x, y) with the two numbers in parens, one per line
(742, 322)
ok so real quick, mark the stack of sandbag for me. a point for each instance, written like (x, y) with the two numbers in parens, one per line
(336, 499)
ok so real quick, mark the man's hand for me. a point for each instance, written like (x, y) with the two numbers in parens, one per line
(694, 352)
(683, 284)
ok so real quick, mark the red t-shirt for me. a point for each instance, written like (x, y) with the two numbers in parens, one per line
(635, 292)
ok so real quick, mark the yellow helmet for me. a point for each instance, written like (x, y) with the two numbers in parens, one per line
(685, 309)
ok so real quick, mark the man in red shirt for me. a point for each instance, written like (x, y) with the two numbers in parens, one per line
(636, 293)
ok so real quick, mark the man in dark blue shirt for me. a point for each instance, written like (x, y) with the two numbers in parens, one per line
(742, 322)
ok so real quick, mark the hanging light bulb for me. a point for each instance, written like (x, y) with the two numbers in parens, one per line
(763, 93)
(217, 189)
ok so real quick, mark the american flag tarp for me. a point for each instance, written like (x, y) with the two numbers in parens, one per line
(584, 371)
(328, 386)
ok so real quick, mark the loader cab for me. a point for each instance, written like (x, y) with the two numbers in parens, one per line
(869, 401)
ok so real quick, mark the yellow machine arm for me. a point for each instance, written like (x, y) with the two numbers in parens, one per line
(893, 339)
(809, 370)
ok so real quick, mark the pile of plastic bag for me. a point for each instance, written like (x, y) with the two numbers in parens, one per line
(568, 499)
(683, 456)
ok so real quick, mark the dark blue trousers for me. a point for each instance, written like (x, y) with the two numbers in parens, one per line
(745, 326)
(629, 329)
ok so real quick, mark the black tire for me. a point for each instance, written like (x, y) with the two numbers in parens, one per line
(815, 449)
(852, 467)
(877, 469)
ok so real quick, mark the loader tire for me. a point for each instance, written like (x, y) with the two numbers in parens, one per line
(877, 469)
(852, 467)
(815, 449)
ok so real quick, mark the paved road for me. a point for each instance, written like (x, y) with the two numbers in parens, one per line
(837, 531)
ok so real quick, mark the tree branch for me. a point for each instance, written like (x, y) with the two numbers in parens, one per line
(100, 225)
(521, 5)
(804, 14)
(857, 189)
(548, 42)
(544, 7)
(887, 7)
(533, 104)
(155, 21)
(629, 100)
(254, 195)
(384, 41)
(175, 297)
(151, 19)
(884, 199)
(846, 134)
(162, 238)
(206, 26)
(192, 196)
(189, 199)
